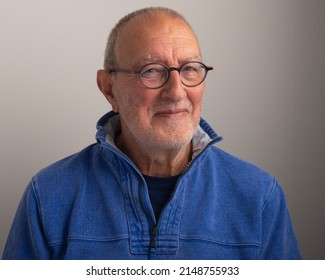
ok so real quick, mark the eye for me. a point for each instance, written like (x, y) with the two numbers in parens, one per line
(152, 71)
(192, 71)
(194, 67)
(189, 68)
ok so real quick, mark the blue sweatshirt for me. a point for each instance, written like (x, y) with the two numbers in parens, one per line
(95, 205)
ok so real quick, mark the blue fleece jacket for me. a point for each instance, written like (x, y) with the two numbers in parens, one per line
(95, 205)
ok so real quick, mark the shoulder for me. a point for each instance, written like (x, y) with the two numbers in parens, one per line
(240, 176)
(60, 173)
(235, 165)
(70, 161)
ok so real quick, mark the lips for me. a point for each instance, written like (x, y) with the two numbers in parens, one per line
(171, 112)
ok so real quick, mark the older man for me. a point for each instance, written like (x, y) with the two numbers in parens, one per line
(153, 186)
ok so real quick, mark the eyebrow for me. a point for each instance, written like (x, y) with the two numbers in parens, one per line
(144, 60)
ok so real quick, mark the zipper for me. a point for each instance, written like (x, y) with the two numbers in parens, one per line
(154, 227)
(153, 231)
(152, 249)
(152, 224)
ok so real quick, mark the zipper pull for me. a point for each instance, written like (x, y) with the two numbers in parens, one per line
(153, 231)
(152, 251)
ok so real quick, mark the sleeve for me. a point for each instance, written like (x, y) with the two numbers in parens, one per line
(278, 237)
(26, 239)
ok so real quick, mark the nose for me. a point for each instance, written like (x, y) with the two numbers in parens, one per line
(174, 88)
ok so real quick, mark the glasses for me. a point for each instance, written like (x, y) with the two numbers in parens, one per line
(156, 75)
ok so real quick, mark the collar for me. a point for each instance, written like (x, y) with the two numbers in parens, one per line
(108, 126)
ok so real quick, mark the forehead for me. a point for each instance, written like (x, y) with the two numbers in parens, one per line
(161, 38)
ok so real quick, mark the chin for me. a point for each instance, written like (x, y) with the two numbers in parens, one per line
(173, 140)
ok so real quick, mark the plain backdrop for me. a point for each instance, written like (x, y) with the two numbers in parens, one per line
(266, 95)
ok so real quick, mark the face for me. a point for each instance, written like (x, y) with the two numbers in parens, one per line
(164, 118)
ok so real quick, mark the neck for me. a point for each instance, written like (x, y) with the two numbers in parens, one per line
(157, 162)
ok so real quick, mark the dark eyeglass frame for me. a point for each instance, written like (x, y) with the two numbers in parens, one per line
(169, 69)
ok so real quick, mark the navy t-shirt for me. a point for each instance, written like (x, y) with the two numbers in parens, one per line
(160, 190)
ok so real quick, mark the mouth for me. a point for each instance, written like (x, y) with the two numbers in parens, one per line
(172, 113)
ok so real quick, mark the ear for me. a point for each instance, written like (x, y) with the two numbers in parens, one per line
(105, 85)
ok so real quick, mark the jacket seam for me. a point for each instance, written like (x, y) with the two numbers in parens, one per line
(39, 208)
(66, 241)
(270, 195)
(262, 210)
(220, 243)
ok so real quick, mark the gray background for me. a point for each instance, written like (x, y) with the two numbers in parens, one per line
(265, 96)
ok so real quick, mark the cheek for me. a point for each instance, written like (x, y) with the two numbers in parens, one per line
(196, 98)
(135, 102)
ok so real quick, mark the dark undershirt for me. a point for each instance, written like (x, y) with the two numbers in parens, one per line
(160, 190)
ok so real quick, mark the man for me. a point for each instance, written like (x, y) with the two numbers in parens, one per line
(154, 186)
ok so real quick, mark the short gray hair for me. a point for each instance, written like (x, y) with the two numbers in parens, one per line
(110, 59)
